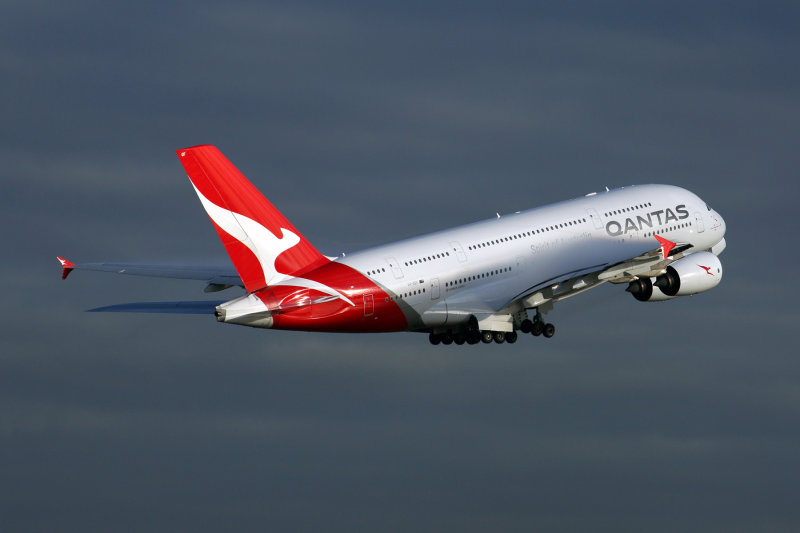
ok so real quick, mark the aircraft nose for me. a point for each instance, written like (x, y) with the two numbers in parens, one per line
(721, 220)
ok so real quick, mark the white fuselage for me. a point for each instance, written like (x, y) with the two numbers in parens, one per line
(485, 266)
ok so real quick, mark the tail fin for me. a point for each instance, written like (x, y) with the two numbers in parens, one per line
(262, 244)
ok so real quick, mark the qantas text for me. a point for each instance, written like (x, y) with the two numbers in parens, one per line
(662, 216)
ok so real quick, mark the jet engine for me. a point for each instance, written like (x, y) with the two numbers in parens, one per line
(694, 273)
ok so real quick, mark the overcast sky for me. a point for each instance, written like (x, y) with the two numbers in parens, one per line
(365, 123)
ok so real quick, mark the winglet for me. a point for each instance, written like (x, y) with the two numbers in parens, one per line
(66, 267)
(666, 246)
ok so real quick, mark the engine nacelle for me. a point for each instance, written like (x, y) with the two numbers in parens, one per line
(644, 291)
(694, 273)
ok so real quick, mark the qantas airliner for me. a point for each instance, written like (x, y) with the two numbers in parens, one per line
(481, 282)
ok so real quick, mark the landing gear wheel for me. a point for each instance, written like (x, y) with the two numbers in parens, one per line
(473, 337)
(526, 326)
(486, 337)
(537, 328)
(459, 338)
(447, 338)
(549, 330)
(434, 338)
(499, 337)
(511, 337)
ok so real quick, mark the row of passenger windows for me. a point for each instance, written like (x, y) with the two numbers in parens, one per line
(670, 228)
(477, 276)
(411, 262)
(628, 209)
(428, 258)
(528, 233)
(406, 294)
(509, 238)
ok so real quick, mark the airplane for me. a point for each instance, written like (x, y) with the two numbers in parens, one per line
(478, 283)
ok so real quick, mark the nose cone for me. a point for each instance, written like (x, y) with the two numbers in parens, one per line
(718, 223)
(718, 232)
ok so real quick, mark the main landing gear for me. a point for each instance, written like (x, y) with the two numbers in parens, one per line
(472, 335)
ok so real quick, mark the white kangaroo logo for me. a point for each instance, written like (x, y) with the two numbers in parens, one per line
(264, 245)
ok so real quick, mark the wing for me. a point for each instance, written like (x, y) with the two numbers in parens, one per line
(216, 278)
(649, 264)
(495, 310)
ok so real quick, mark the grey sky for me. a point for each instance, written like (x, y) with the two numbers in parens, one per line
(366, 123)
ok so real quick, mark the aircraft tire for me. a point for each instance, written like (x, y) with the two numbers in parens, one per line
(435, 338)
(537, 328)
(499, 337)
(487, 337)
(447, 338)
(526, 325)
(549, 330)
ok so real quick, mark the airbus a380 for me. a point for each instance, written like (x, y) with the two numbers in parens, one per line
(481, 282)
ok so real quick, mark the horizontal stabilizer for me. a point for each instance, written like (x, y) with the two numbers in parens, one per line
(199, 307)
(219, 276)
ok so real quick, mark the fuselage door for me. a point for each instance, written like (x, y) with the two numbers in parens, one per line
(369, 305)
(395, 266)
(598, 224)
(701, 227)
(435, 289)
(459, 251)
